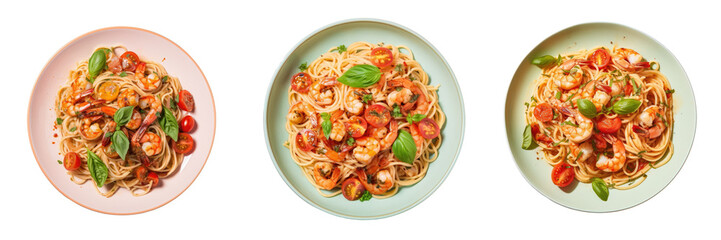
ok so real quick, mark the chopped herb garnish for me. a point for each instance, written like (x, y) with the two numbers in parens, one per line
(164, 79)
(123, 74)
(670, 91)
(569, 123)
(570, 97)
(73, 129)
(60, 162)
(367, 98)
(558, 95)
(533, 99)
(303, 66)
(396, 111)
(340, 49)
(639, 153)
(350, 141)
(399, 67)
(59, 121)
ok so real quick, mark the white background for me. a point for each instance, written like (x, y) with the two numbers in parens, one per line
(239, 194)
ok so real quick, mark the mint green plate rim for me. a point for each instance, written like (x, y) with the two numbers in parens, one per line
(449, 154)
(587, 35)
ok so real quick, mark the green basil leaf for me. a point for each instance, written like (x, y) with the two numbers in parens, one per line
(169, 124)
(626, 106)
(303, 66)
(96, 63)
(404, 148)
(586, 108)
(98, 170)
(123, 115)
(543, 61)
(415, 118)
(72, 129)
(527, 138)
(120, 143)
(326, 124)
(59, 121)
(360, 76)
(600, 188)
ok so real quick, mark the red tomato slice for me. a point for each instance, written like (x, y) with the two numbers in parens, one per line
(129, 60)
(543, 112)
(184, 145)
(72, 161)
(429, 128)
(187, 123)
(186, 101)
(377, 115)
(381, 57)
(608, 125)
(356, 126)
(152, 177)
(600, 142)
(601, 57)
(538, 135)
(300, 82)
(306, 140)
(140, 173)
(352, 189)
(562, 174)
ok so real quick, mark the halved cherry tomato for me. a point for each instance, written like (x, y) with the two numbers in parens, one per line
(543, 112)
(381, 57)
(306, 140)
(140, 173)
(71, 161)
(300, 82)
(186, 101)
(538, 135)
(429, 128)
(562, 174)
(187, 123)
(184, 144)
(352, 189)
(601, 57)
(129, 60)
(608, 125)
(152, 177)
(377, 115)
(108, 91)
(356, 126)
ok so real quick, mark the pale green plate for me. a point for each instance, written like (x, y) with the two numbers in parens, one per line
(581, 196)
(373, 31)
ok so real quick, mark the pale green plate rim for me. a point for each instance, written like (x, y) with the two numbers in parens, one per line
(418, 199)
(679, 154)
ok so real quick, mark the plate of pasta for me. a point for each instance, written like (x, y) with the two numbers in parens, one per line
(363, 131)
(600, 117)
(121, 120)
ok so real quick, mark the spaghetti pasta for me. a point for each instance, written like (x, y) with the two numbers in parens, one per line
(106, 114)
(605, 114)
(367, 114)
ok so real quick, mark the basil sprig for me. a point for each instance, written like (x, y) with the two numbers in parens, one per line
(626, 106)
(404, 148)
(169, 124)
(366, 196)
(527, 138)
(600, 188)
(119, 142)
(98, 170)
(586, 108)
(543, 61)
(326, 125)
(360, 76)
(415, 118)
(96, 63)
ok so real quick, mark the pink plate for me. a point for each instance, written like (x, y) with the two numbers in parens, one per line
(148, 45)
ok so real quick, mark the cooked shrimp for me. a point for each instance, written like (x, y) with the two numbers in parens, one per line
(299, 112)
(151, 102)
(600, 99)
(128, 97)
(387, 141)
(148, 83)
(380, 182)
(572, 77)
(354, 102)
(399, 97)
(619, 156)
(135, 120)
(326, 175)
(338, 131)
(629, 60)
(417, 104)
(571, 63)
(651, 122)
(416, 134)
(150, 143)
(366, 148)
(577, 127)
(72, 104)
(322, 91)
(90, 128)
(114, 64)
(581, 152)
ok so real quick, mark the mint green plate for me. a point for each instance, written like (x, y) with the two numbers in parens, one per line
(581, 197)
(373, 31)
